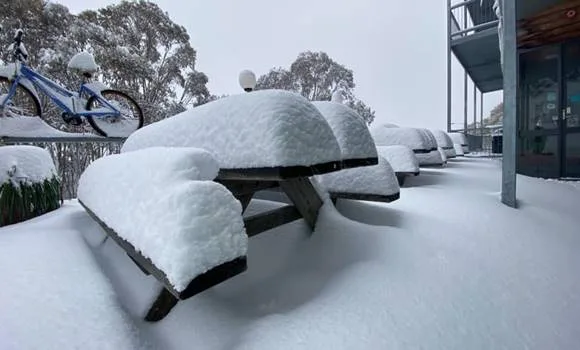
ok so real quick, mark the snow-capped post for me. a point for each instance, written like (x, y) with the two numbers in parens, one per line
(337, 97)
(247, 80)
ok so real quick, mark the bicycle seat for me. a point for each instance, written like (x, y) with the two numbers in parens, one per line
(84, 63)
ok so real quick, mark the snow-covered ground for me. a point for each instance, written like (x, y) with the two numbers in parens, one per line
(445, 267)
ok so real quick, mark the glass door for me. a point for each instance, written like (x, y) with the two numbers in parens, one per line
(571, 110)
(539, 118)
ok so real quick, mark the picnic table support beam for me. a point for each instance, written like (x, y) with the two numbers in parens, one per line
(305, 197)
(161, 306)
(262, 222)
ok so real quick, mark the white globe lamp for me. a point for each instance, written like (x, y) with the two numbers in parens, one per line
(247, 80)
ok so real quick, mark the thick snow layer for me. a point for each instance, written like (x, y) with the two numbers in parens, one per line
(25, 164)
(458, 137)
(388, 136)
(83, 62)
(54, 295)
(350, 130)
(442, 138)
(431, 158)
(377, 179)
(161, 200)
(33, 127)
(430, 139)
(259, 129)
(458, 149)
(401, 158)
(446, 267)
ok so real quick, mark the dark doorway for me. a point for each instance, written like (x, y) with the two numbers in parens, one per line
(549, 111)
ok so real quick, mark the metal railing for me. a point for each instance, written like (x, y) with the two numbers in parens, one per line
(468, 17)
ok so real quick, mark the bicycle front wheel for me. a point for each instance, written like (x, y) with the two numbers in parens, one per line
(23, 104)
(131, 117)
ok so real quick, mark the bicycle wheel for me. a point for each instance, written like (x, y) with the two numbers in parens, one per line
(23, 104)
(131, 117)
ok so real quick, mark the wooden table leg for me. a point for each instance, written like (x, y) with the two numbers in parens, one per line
(162, 306)
(304, 196)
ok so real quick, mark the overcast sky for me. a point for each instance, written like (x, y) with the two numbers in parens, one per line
(397, 49)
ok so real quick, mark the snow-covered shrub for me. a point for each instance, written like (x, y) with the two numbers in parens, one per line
(29, 186)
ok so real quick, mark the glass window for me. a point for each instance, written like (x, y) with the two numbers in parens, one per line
(539, 89)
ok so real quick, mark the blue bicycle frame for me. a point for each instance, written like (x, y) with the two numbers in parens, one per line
(68, 101)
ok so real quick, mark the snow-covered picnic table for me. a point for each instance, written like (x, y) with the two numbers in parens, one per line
(261, 140)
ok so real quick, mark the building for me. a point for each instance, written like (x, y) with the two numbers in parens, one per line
(540, 78)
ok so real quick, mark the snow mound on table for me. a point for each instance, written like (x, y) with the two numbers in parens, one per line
(163, 202)
(264, 128)
(429, 138)
(55, 296)
(445, 142)
(458, 149)
(25, 164)
(442, 138)
(388, 136)
(32, 127)
(458, 137)
(401, 158)
(350, 130)
(431, 158)
(377, 179)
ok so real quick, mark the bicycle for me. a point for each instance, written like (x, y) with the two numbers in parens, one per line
(110, 112)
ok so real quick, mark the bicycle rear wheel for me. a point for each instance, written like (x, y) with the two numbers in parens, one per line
(23, 104)
(131, 117)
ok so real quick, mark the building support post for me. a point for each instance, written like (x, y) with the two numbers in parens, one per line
(465, 102)
(448, 65)
(474, 109)
(481, 115)
(508, 188)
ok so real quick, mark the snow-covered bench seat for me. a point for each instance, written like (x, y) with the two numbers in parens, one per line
(263, 139)
(445, 142)
(460, 139)
(163, 208)
(402, 160)
(434, 157)
(352, 134)
(376, 183)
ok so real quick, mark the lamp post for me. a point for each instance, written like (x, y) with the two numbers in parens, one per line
(247, 80)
